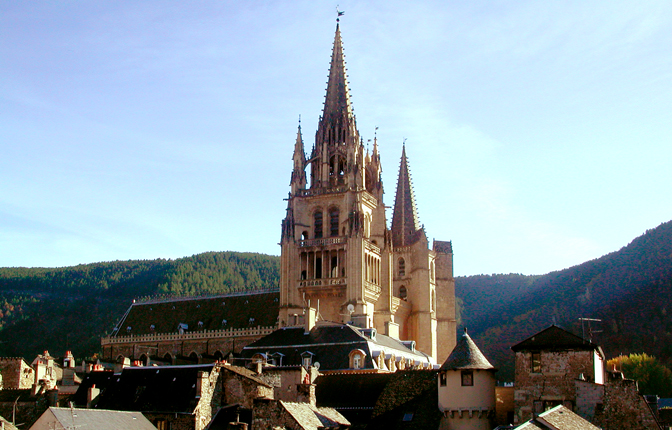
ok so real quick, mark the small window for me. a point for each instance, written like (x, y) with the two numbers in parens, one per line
(402, 268)
(162, 425)
(536, 362)
(403, 293)
(408, 416)
(442, 379)
(357, 361)
(467, 378)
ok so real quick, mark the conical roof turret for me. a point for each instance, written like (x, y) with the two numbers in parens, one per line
(405, 222)
(466, 355)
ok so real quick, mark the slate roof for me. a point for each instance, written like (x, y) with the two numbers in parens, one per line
(239, 310)
(331, 344)
(98, 419)
(420, 412)
(154, 389)
(310, 417)
(557, 418)
(350, 390)
(555, 338)
(466, 355)
(100, 379)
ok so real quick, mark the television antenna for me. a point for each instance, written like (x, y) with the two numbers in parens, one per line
(590, 330)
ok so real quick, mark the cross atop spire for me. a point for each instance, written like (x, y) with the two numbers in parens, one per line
(337, 100)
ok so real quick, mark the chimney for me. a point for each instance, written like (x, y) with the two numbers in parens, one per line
(392, 329)
(52, 397)
(310, 318)
(92, 396)
(201, 380)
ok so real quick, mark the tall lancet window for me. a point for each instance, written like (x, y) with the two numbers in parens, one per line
(333, 222)
(317, 217)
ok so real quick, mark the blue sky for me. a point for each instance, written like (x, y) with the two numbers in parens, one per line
(538, 133)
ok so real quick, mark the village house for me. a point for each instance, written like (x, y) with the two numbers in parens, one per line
(555, 367)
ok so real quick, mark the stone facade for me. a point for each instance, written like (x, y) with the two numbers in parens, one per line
(15, 374)
(337, 249)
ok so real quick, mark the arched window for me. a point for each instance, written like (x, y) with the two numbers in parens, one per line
(402, 268)
(403, 293)
(304, 235)
(357, 359)
(317, 217)
(333, 222)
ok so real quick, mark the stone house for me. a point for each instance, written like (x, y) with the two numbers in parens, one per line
(555, 367)
(272, 414)
(15, 373)
(547, 364)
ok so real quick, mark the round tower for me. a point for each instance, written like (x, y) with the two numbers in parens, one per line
(467, 388)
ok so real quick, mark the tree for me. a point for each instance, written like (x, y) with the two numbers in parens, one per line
(653, 377)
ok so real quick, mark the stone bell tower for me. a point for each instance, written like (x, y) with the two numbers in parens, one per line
(339, 257)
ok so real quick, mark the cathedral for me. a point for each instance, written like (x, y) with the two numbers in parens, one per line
(338, 254)
(340, 265)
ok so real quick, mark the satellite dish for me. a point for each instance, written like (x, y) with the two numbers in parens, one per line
(317, 365)
(351, 308)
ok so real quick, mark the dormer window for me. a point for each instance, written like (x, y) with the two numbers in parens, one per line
(307, 359)
(251, 321)
(224, 323)
(152, 327)
(128, 329)
(357, 359)
(200, 324)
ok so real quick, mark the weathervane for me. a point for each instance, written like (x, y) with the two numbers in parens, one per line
(340, 13)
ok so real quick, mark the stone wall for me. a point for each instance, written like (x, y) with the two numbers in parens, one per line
(554, 383)
(270, 415)
(15, 374)
(624, 407)
(589, 398)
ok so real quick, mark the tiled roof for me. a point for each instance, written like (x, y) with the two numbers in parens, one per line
(409, 401)
(154, 389)
(558, 418)
(554, 338)
(241, 310)
(100, 419)
(310, 417)
(466, 355)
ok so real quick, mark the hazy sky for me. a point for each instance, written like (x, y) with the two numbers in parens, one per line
(538, 133)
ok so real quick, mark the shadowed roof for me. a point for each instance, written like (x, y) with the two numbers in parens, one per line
(555, 338)
(222, 312)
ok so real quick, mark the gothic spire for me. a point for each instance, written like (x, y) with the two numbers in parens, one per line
(299, 172)
(405, 223)
(337, 100)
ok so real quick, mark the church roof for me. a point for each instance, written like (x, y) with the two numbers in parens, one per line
(221, 312)
(466, 355)
(555, 338)
(405, 222)
(337, 99)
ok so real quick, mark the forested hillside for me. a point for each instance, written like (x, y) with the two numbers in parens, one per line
(72, 307)
(629, 290)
